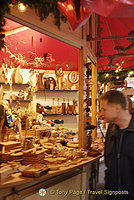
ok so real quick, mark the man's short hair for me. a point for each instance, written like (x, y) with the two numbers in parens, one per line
(117, 97)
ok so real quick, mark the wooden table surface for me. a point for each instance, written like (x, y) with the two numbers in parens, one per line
(17, 179)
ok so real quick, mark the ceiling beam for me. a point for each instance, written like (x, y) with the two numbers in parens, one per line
(109, 37)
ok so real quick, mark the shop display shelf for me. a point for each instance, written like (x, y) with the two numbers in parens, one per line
(21, 100)
(43, 90)
(60, 114)
(16, 84)
(21, 84)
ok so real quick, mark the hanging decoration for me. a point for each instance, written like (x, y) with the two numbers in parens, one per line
(73, 77)
(76, 14)
(36, 61)
(88, 126)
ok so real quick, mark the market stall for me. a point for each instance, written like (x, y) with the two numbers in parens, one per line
(48, 141)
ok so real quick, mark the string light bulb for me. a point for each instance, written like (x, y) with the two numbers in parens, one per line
(22, 7)
(116, 70)
(130, 73)
(70, 7)
(107, 75)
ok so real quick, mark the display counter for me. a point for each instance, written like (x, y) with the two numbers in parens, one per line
(70, 182)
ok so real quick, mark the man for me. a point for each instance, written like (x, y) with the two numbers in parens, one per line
(119, 146)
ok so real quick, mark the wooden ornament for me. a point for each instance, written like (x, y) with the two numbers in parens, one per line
(73, 77)
(3, 78)
(39, 83)
(16, 76)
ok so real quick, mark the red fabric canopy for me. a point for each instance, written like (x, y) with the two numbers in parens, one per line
(113, 8)
(117, 19)
(107, 8)
(116, 27)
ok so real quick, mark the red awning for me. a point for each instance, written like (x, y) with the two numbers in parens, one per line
(117, 48)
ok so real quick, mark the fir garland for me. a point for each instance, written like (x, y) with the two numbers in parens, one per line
(112, 77)
(4, 8)
(42, 8)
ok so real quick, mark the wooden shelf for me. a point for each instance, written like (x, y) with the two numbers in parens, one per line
(16, 84)
(21, 100)
(42, 90)
(20, 84)
(59, 114)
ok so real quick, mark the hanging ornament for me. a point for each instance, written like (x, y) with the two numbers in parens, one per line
(76, 20)
(73, 77)
(59, 71)
(88, 126)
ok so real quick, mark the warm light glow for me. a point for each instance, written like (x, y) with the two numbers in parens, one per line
(70, 7)
(117, 77)
(102, 86)
(21, 7)
(107, 75)
(116, 70)
(62, 4)
(130, 73)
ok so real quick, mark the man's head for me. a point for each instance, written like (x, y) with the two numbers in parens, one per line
(112, 104)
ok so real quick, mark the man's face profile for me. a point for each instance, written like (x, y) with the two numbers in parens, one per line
(108, 111)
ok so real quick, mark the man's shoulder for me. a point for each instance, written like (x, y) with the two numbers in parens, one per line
(132, 113)
(131, 125)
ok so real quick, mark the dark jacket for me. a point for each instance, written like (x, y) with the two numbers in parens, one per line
(119, 159)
